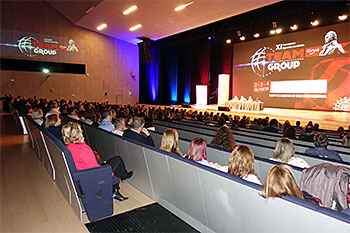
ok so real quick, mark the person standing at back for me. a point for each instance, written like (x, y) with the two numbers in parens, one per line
(138, 132)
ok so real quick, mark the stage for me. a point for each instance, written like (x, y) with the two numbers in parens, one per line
(326, 119)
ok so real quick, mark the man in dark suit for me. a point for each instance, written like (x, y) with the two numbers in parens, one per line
(138, 132)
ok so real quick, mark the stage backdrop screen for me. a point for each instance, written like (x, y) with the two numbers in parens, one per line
(302, 70)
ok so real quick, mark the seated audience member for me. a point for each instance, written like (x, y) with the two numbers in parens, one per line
(224, 138)
(280, 182)
(307, 134)
(72, 113)
(257, 124)
(298, 128)
(272, 126)
(290, 133)
(53, 125)
(241, 164)
(84, 157)
(149, 124)
(341, 132)
(320, 149)
(346, 141)
(197, 151)
(37, 115)
(106, 122)
(138, 132)
(119, 126)
(284, 153)
(317, 128)
(286, 125)
(53, 109)
(96, 119)
(170, 142)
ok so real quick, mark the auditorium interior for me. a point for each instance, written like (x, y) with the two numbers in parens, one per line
(196, 67)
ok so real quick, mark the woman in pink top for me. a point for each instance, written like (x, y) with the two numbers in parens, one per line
(84, 158)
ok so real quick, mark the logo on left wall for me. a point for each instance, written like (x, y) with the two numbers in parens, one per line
(31, 47)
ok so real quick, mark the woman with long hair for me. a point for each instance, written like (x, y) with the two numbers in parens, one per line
(284, 153)
(224, 138)
(280, 182)
(170, 142)
(197, 151)
(241, 164)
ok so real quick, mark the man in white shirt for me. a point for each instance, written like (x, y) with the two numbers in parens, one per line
(119, 126)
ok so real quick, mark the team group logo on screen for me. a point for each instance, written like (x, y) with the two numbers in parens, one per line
(31, 47)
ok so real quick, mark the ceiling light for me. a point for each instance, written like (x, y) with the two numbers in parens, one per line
(89, 10)
(256, 35)
(46, 71)
(209, 37)
(228, 41)
(102, 26)
(242, 38)
(342, 17)
(315, 22)
(294, 27)
(272, 32)
(181, 7)
(278, 30)
(130, 9)
(135, 27)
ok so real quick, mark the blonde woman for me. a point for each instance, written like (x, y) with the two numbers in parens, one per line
(280, 182)
(84, 158)
(53, 125)
(37, 115)
(241, 164)
(170, 142)
(284, 153)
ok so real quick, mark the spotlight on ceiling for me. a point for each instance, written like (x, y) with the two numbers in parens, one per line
(278, 30)
(294, 27)
(342, 17)
(272, 32)
(315, 22)
(181, 7)
(102, 26)
(129, 10)
(242, 38)
(135, 27)
(228, 41)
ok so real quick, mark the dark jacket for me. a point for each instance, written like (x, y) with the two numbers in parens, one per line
(56, 131)
(138, 137)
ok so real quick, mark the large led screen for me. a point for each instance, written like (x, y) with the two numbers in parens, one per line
(302, 70)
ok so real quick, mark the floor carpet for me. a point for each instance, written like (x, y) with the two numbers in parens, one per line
(150, 218)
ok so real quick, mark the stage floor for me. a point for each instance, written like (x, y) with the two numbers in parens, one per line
(327, 120)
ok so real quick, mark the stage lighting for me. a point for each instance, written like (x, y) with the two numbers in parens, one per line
(46, 71)
(272, 32)
(228, 41)
(209, 37)
(181, 7)
(129, 10)
(342, 17)
(135, 27)
(102, 26)
(315, 22)
(242, 38)
(294, 27)
(256, 35)
(278, 30)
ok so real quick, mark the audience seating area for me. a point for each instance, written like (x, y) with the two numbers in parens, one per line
(206, 198)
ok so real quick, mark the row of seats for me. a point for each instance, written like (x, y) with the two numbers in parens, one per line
(262, 147)
(208, 199)
(88, 190)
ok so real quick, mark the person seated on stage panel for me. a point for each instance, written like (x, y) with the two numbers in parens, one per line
(241, 164)
(138, 132)
(106, 123)
(53, 125)
(284, 153)
(197, 151)
(119, 125)
(84, 158)
(224, 138)
(250, 103)
(320, 149)
(170, 142)
(235, 103)
(290, 133)
(272, 126)
(37, 115)
(242, 103)
(280, 182)
(346, 141)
